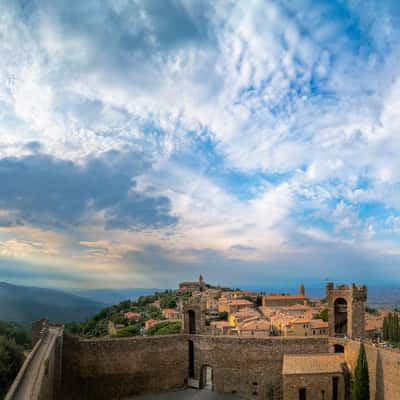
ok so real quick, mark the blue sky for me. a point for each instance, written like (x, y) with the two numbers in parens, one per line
(144, 142)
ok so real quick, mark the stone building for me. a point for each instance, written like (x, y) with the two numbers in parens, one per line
(189, 287)
(232, 306)
(314, 377)
(284, 300)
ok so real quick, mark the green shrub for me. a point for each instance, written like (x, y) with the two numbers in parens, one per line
(165, 328)
(131, 330)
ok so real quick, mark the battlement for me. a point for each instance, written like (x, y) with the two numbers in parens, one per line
(346, 306)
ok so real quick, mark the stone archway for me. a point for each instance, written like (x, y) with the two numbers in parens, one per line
(207, 378)
(341, 317)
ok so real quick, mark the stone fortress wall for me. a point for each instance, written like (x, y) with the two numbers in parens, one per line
(383, 365)
(113, 368)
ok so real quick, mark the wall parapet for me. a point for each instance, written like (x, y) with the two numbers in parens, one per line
(22, 372)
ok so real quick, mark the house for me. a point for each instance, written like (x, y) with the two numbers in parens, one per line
(231, 306)
(132, 316)
(149, 323)
(171, 314)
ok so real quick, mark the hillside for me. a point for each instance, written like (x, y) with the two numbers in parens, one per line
(128, 318)
(113, 296)
(26, 304)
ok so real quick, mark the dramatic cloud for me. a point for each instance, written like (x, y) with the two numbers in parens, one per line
(52, 192)
(151, 140)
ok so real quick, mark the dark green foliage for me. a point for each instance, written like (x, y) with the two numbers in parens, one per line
(73, 328)
(21, 334)
(391, 328)
(11, 359)
(151, 312)
(322, 315)
(222, 316)
(360, 389)
(372, 311)
(130, 330)
(168, 300)
(94, 327)
(165, 328)
(259, 300)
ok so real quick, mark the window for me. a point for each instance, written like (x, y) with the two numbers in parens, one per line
(322, 394)
(302, 394)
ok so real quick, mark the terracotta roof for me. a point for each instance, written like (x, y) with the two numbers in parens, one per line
(170, 311)
(259, 324)
(150, 322)
(312, 364)
(246, 311)
(132, 315)
(238, 302)
(220, 324)
(318, 323)
(285, 296)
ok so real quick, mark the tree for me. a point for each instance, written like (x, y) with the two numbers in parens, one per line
(222, 316)
(11, 358)
(130, 330)
(322, 315)
(360, 390)
(165, 328)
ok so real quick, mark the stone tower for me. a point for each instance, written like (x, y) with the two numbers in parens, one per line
(302, 290)
(346, 309)
(194, 317)
(201, 283)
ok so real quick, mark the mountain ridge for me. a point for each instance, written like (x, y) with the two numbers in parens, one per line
(25, 304)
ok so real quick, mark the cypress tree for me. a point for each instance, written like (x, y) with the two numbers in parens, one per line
(360, 390)
(385, 329)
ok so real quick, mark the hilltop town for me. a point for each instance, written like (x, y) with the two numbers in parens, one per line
(232, 312)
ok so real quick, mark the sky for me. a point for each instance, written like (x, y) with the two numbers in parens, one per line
(145, 142)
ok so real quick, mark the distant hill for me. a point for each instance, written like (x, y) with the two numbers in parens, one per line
(26, 304)
(114, 296)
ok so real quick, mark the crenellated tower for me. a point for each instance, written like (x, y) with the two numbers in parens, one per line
(346, 309)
